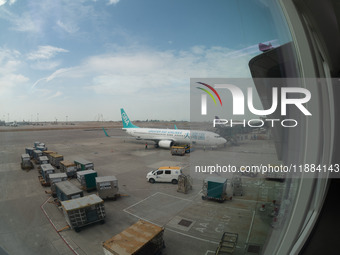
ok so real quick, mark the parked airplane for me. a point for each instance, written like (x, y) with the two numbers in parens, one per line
(165, 138)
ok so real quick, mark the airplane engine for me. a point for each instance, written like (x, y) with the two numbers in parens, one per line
(165, 144)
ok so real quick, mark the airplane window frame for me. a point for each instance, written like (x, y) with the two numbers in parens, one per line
(311, 191)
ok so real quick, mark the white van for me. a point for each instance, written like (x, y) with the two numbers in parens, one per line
(164, 174)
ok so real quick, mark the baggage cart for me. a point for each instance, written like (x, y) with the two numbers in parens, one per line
(83, 211)
(107, 187)
(83, 164)
(55, 178)
(46, 170)
(43, 160)
(26, 163)
(214, 188)
(236, 184)
(184, 183)
(87, 179)
(29, 151)
(65, 190)
(141, 238)
(55, 160)
(69, 168)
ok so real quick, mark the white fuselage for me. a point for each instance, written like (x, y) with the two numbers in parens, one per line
(177, 136)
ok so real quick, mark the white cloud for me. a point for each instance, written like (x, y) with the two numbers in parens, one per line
(57, 94)
(113, 1)
(148, 72)
(46, 65)
(2, 2)
(12, 2)
(24, 22)
(9, 70)
(69, 27)
(45, 52)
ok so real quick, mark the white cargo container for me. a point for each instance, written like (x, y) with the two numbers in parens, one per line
(46, 170)
(55, 178)
(43, 160)
(107, 187)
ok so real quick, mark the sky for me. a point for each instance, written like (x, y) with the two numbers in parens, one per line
(84, 60)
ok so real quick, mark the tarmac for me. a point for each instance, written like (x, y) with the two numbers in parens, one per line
(29, 221)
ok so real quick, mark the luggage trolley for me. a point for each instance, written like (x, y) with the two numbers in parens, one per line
(236, 184)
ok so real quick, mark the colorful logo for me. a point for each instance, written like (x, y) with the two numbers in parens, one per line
(209, 93)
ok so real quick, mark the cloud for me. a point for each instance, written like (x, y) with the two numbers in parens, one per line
(149, 72)
(69, 27)
(10, 64)
(113, 2)
(25, 22)
(2, 2)
(46, 65)
(45, 52)
(57, 94)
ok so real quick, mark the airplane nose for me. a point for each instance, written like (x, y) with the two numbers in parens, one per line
(223, 141)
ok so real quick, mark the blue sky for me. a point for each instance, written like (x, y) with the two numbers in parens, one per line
(87, 58)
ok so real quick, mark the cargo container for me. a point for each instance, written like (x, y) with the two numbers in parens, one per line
(55, 178)
(83, 211)
(29, 151)
(65, 190)
(68, 167)
(48, 154)
(87, 179)
(41, 148)
(42, 145)
(36, 144)
(36, 155)
(46, 170)
(107, 187)
(43, 160)
(215, 188)
(55, 160)
(26, 163)
(83, 164)
(184, 183)
(141, 238)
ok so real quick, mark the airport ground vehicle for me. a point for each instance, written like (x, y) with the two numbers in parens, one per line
(180, 150)
(141, 238)
(164, 174)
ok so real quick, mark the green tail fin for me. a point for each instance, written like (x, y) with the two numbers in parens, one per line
(126, 121)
